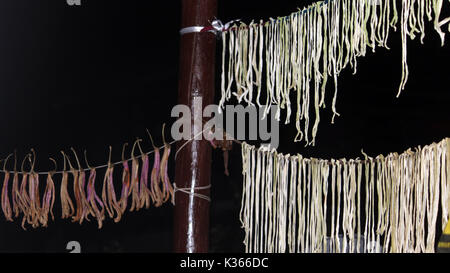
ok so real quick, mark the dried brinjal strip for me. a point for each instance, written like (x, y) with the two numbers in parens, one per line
(144, 191)
(6, 207)
(15, 196)
(108, 192)
(66, 203)
(163, 172)
(48, 199)
(155, 192)
(23, 195)
(125, 182)
(76, 189)
(135, 204)
(92, 196)
(85, 209)
(34, 212)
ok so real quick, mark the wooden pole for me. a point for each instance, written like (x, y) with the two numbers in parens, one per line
(193, 163)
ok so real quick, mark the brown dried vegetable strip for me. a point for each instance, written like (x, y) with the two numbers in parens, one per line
(33, 191)
(66, 202)
(135, 204)
(92, 196)
(85, 208)
(76, 189)
(23, 195)
(163, 172)
(49, 198)
(108, 193)
(125, 182)
(15, 190)
(6, 206)
(155, 191)
(144, 191)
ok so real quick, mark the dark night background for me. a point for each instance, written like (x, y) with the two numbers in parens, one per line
(99, 74)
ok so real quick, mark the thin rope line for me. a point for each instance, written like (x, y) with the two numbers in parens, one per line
(87, 169)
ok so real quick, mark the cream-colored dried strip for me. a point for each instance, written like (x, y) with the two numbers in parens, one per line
(268, 208)
(251, 188)
(292, 204)
(246, 181)
(372, 212)
(434, 196)
(445, 180)
(262, 196)
(257, 201)
(358, 207)
(346, 209)
(350, 208)
(325, 172)
(300, 206)
(338, 218)
(421, 200)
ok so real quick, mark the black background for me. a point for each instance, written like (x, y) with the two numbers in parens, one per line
(99, 74)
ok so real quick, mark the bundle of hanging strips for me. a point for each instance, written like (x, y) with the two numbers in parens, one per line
(77, 191)
(384, 204)
(299, 52)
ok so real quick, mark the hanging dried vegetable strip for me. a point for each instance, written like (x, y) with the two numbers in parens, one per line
(144, 191)
(33, 191)
(6, 207)
(85, 209)
(125, 182)
(135, 204)
(155, 191)
(15, 189)
(48, 199)
(66, 203)
(92, 196)
(163, 172)
(109, 194)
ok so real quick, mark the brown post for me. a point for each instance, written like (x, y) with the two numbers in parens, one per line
(193, 163)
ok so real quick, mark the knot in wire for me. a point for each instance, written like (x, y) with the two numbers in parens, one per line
(190, 191)
(216, 27)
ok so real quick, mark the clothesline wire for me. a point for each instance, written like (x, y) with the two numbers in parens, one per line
(89, 168)
(109, 164)
(300, 11)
